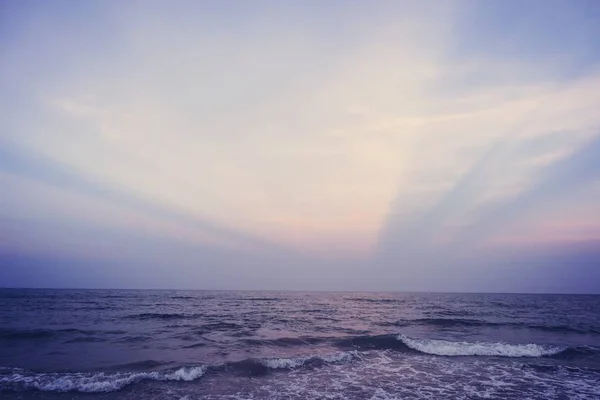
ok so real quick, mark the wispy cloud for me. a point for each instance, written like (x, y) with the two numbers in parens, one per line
(400, 135)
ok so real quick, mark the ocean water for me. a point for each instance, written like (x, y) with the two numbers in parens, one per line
(129, 344)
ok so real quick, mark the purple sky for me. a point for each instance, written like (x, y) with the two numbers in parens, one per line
(344, 145)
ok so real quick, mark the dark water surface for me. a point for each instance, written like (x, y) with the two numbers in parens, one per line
(129, 344)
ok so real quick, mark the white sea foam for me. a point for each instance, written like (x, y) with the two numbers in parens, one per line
(185, 374)
(283, 363)
(448, 348)
(110, 382)
(341, 357)
(95, 382)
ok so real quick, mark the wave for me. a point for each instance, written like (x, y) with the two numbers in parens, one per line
(440, 347)
(448, 348)
(114, 379)
(314, 360)
(96, 382)
(466, 322)
(92, 382)
(577, 352)
(260, 367)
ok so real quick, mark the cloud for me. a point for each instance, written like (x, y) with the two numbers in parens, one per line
(31, 165)
(393, 135)
(554, 183)
(221, 124)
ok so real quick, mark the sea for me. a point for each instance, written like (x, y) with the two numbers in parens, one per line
(185, 345)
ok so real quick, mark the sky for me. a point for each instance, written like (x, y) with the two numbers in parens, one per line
(303, 145)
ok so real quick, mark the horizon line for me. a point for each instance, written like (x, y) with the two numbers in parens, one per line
(303, 291)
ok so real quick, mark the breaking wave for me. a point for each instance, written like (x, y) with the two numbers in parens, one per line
(96, 382)
(91, 382)
(448, 348)
(440, 347)
(466, 322)
(288, 363)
